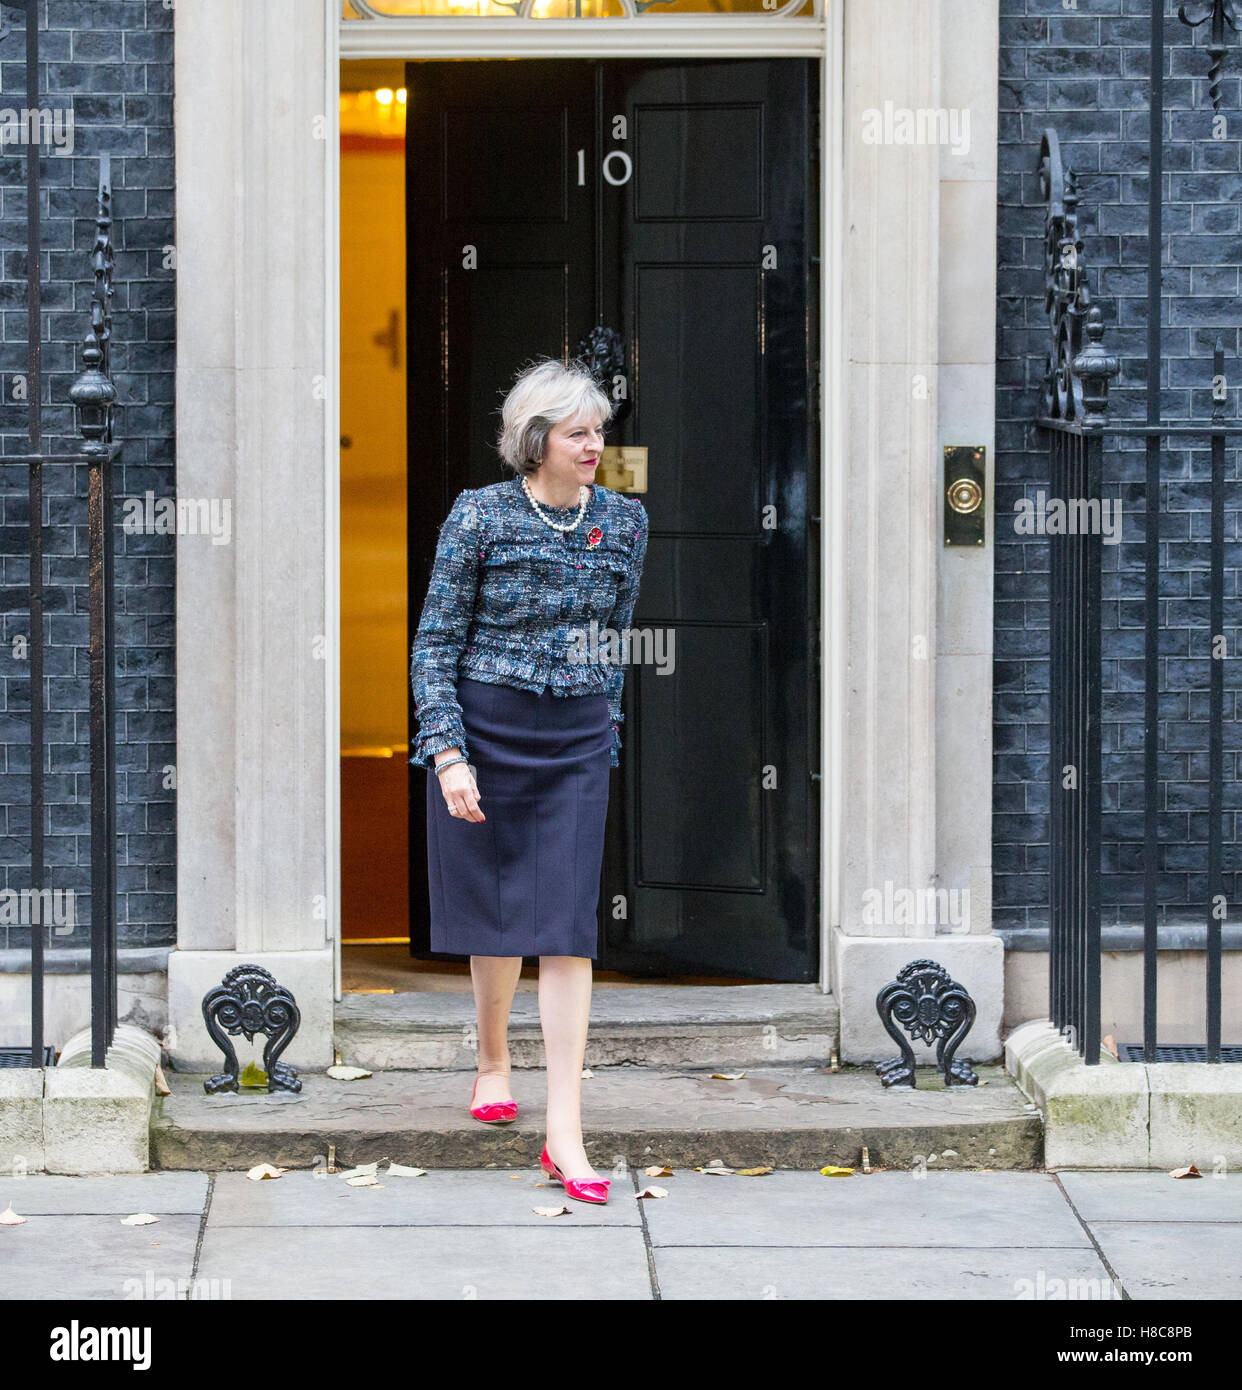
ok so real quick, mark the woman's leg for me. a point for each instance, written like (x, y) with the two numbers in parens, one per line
(494, 979)
(564, 1012)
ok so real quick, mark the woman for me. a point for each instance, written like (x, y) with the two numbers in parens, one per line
(518, 699)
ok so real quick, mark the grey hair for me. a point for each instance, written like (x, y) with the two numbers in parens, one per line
(544, 394)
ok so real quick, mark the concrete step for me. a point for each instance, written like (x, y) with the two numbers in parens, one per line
(784, 1116)
(718, 1026)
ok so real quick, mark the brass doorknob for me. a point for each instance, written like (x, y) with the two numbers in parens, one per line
(965, 495)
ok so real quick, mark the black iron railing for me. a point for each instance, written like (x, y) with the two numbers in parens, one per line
(94, 395)
(1075, 416)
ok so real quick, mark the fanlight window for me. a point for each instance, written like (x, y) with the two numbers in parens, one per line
(363, 10)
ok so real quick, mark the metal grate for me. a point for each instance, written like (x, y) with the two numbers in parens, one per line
(1133, 1052)
(20, 1056)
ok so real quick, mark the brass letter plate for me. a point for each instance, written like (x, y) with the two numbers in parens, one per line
(623, 467)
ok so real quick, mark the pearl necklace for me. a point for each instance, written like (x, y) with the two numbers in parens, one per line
(583, 498)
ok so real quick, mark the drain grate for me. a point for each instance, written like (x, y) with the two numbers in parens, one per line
(1133, 1052)
(20, 1056)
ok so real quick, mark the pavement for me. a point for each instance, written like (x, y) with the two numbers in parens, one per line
(790, 1234)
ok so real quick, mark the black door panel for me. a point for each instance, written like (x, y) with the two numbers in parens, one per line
(693, 237)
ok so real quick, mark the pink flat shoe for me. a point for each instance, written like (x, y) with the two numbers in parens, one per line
(588, 1190)
(498, 1112)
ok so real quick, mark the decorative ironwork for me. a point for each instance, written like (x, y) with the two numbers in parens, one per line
(603, 353)
(932, 1008)
(94, 395)
(1066, 295)
(93, 392)
(249, 1001)
(1219, 12)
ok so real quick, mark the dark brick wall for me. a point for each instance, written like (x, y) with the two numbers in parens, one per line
(1084, 72)
(111, 62)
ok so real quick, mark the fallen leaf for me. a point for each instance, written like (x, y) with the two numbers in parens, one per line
(1190, 1171)
(364, 1170)
(550, 1211)
(714, 1168)
(141, 1218)
(1110, 1045)
(253, 1075)
(658, 1170)
(832, 1171)
(363, 1180)
(587, 1074)
(161, 1086)
(339, 1073)
(753, 1172)
(8, 1217)
(265, 1170)
(398, 1170)
(727, 1075)
(652, 1192)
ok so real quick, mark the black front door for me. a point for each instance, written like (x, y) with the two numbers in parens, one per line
(673, 202)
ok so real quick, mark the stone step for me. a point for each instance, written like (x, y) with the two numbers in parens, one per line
(718, 1026)
(783, 1116)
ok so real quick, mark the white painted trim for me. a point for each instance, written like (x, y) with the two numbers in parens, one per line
(832, 473)
(660, 36)
(332, 491)
(461, 38)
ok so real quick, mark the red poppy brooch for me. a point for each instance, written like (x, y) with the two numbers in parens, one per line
(594, 536)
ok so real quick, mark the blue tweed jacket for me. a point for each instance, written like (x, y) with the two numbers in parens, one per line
(511, 601)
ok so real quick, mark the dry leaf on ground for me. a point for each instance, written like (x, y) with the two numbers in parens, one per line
(161, 1086)
(1190, 1171)
(714, 1168)
(140, 1218)
(364, 1180)
(399, 1170)
(587, 1074)
(727, 1075)
(658, 1170)
(652, 1192)
(265, 1170)
(832, 1171)
(752, 1172)
(363, 1170)
(550, 1211)
(8, 1217)
(340, 1073)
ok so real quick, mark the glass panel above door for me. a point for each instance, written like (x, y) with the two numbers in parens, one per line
(363, 10)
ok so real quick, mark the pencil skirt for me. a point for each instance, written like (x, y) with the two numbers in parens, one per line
(525, 880)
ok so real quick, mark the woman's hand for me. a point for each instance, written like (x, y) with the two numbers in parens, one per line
(457, 785)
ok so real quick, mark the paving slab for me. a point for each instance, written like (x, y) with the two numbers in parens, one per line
(788, 1116)
(1174, 1259)
(563, 1259)
(830, 1273)
(437, 1199)
(96, 1257)
(878, 1210)
(122, 1193)
(1151, 1196)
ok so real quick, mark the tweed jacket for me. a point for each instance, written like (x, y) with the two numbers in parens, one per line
(512, 602)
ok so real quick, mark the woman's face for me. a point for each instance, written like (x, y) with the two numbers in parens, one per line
(572, 452)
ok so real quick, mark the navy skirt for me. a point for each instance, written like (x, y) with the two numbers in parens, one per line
(525, 881)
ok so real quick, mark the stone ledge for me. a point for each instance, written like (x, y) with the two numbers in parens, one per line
(77, 1119)
(1127, 1114)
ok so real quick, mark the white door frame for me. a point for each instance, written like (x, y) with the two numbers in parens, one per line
(658, 36)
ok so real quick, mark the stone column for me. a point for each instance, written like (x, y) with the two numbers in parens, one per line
(902, 770)
(251, 388)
